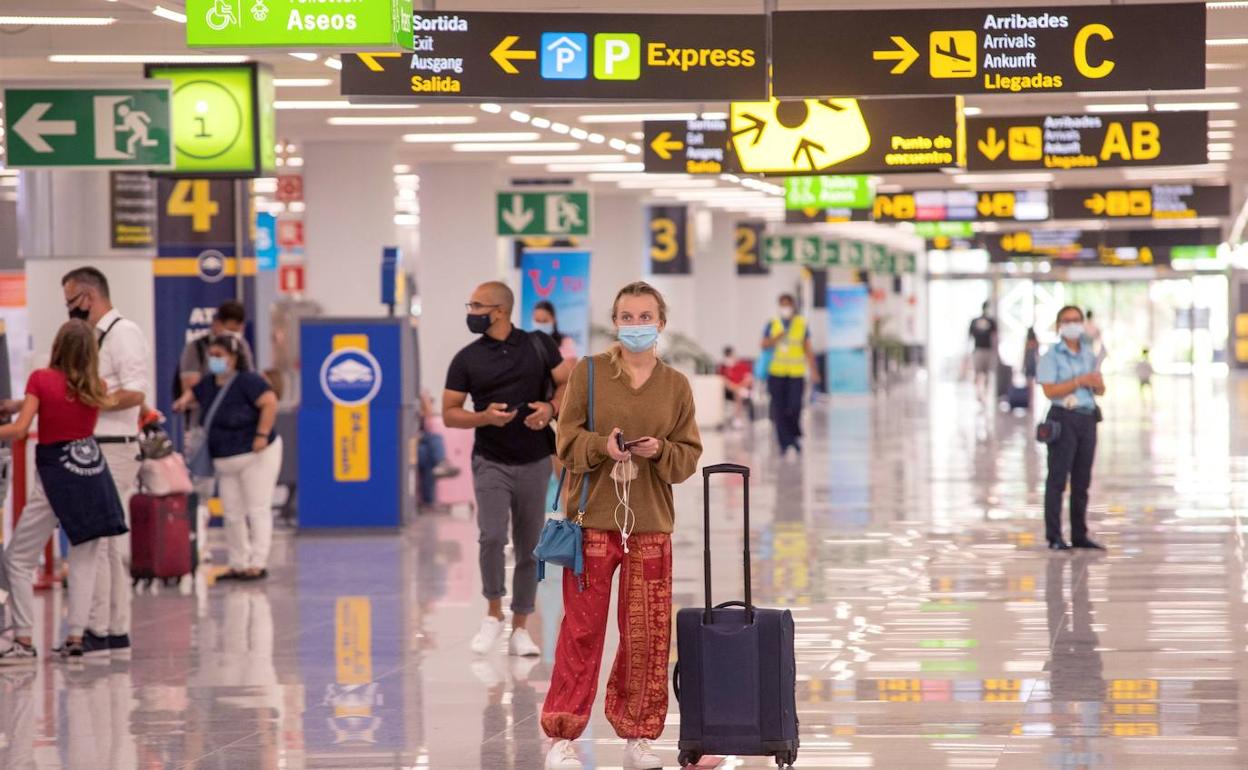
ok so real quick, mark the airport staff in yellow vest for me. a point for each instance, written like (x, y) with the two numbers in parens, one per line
(787, 336)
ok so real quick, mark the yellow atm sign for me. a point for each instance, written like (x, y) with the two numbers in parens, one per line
(1062, 142)
(989, 50)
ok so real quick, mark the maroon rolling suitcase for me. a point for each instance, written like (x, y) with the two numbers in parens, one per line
(161, 537)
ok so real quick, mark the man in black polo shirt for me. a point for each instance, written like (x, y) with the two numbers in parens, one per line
(508, 373)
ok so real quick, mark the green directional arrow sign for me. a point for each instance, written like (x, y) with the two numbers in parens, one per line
(542, 213)
(810, 250)
(123, 126)
(779, 250)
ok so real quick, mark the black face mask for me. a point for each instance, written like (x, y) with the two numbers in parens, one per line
(479, 324)
(78, 314)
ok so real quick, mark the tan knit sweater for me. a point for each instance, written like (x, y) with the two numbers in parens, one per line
(662, 408)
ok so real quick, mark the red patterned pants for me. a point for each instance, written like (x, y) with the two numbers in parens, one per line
(637, 689)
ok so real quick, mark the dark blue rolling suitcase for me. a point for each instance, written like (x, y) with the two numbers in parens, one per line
(736, 677)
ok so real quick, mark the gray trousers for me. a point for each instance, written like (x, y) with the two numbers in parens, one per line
(515, 495)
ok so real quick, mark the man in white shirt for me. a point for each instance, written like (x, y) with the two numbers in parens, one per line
(123, 366)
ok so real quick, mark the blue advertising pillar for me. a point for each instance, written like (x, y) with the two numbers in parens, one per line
(849, 363)
(358, 428)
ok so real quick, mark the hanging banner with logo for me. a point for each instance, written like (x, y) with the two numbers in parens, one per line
(748, 237)
(848, 331)
(561, 277)
(526, 56)
(989, 50)
(670, 253)
(132, 210)
(1159, 201)
(266, 242)
(1109, 140)
(963, 206)
(813, 136)
(521, 245)
(195, 269)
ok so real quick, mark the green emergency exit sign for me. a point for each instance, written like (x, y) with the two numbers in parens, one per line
(299, 24)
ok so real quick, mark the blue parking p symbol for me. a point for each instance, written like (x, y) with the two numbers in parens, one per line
(565, 55)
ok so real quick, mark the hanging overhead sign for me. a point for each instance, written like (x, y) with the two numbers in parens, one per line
(819, 216)
(299, 24)
(223, 119)
(670, 252)
(525, 56)
(813, 136)
(989, 50)
(54, 126)
(542, 213)
(748, 238)
(963, 206)
(1096, 247)
(844, 192)
(1087, 141)
(1160, 201)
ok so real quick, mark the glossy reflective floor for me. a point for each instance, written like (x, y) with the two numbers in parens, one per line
(933, 629)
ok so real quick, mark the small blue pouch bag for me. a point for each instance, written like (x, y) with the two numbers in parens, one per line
(562, 541)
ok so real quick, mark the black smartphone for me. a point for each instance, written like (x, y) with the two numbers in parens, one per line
(620, 443)
(633, 443)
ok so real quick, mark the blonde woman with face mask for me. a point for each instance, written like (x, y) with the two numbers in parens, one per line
(645, 440)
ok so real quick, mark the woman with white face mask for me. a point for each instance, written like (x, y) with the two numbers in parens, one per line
(645, 439)
(238, 409)
(1069, 374)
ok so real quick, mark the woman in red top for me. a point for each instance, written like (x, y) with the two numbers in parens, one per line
(72, 486)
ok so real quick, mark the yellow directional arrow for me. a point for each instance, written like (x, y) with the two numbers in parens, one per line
(504, 55)
(370, 59)
(905, 55)
(1095, 204)
(985, 205)
(991, 145)
(664, 145)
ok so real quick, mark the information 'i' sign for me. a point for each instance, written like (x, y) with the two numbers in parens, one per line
(989, 50)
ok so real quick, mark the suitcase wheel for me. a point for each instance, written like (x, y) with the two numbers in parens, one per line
(687, 758)
(786, 759)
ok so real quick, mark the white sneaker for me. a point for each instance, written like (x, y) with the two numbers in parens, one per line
(522, 644)
(487, 638)
(562, 756)
(639, 756)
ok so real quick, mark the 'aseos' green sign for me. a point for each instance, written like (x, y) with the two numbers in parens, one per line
(299, 24)
(834, 192)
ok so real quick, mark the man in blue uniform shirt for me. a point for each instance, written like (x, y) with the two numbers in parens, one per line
(1069, 374)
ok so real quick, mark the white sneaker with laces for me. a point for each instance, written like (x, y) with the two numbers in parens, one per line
(487, 638)
(639, 756)
(562, 756)
(522, 645)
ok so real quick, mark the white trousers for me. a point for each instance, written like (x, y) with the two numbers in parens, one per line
(246, 483)
(110, 605)
(22, 556)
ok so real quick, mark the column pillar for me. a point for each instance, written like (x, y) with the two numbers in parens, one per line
(349, 191)
(459, 249)
(618, 244)
(63, 223)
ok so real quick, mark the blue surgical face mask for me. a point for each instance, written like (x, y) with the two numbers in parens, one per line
(548, 328)
(218, 365)
(1071, 331)
(638, 339)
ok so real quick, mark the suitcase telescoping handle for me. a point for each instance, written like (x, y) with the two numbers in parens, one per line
(707, 472)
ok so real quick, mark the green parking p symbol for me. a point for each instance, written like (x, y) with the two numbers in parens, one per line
(617, 56)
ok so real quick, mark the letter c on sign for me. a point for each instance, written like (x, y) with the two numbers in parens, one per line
(1081, 51)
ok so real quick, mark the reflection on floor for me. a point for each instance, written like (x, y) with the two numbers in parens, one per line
(933, 629)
